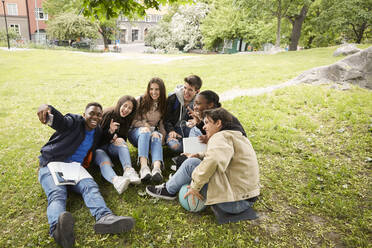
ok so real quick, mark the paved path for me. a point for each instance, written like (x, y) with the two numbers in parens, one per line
(231, 94)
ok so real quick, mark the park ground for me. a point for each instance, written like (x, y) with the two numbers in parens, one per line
(312, 143)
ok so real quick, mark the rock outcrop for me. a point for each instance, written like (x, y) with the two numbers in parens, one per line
(346, 49)
(355, 69)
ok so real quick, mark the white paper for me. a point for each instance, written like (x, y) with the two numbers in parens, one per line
(69, 173)
(192, 145)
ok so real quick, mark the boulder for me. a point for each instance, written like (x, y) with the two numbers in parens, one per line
(355, 69)
(346, 49)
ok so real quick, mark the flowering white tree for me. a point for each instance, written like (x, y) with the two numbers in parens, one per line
(181, 31)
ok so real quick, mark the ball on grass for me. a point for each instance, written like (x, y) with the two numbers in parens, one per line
(187, 202)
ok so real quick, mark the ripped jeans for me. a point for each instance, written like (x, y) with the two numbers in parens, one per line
(119, 150)
(146, 140)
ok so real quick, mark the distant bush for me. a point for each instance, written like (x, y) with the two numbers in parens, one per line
(12, 35)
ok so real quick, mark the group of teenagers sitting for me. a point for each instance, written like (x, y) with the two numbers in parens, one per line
(226, 175)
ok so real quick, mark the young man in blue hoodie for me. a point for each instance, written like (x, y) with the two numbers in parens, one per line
(75, 137)
(177, 112)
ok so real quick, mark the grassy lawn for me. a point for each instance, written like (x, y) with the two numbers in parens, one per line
(311, 141)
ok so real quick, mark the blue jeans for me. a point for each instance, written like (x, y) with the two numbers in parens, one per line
(57, 196)
(176, 145)
(143, 141)
(102, 159)
(183, 176)
(195, 132)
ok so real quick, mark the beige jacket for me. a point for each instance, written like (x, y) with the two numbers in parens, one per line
(229, 167)
(150, 119)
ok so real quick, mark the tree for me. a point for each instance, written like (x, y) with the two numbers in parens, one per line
(230, 19)
(352, 18)
(107, 28)
(108, 9)
(70, 26)
(60, 9)
(270, 8)
(180, 29)
(297, 18)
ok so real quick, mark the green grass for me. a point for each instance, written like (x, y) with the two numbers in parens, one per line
(311, 143)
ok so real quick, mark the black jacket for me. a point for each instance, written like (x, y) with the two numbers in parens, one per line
(172, 116)
(70, 133)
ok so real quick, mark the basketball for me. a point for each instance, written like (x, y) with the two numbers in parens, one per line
(187, 203)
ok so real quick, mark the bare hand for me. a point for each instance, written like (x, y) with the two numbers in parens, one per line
(203, 139)
(113, 126)
(194, 193)
(191, 155)
(194, 114)
(43, 113)
(173, 135)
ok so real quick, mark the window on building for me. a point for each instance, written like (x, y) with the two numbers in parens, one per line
(40, 15)
(148, 18)
(15, 28)
(12, 9)
(134, 34)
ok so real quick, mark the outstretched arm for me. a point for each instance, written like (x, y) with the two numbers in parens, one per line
(47, 113)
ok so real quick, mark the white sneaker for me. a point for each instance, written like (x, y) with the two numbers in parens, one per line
(145, 173)
(120, 183)
(132, 175)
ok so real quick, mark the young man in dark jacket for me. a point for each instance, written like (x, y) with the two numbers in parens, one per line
(74, 138)
(177, 113)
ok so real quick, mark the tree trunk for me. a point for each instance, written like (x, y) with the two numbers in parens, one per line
(359, 34)
(296, 28)
(279, 22)
(105, 42)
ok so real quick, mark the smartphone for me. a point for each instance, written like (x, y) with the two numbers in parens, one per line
(49, 119)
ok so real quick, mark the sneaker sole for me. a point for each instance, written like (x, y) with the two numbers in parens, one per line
(170, 198)
(157, 178)
(66, 223)
(137, 181)
(123, 225)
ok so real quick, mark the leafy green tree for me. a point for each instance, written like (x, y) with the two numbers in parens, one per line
(268, 9)
(70, 26)
(352, 18)
(13, 35)
(179, 30)
(228, 19)
(58, 8)
(108, 9)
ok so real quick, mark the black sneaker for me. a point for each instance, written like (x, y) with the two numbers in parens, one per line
(114, 224)
(156, 175)
(64, 232)
(179, 160)
(160, 191)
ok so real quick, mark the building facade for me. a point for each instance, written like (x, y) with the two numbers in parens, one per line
(25, 17)
(17, 17)
(134, 31)
(37, 19)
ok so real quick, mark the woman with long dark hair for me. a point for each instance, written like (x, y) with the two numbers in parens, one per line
(116, 121)
(147, 131)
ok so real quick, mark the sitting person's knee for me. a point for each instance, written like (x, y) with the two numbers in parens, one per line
(175, 146)
(105, 163)
(119, 142)
(155, 135)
